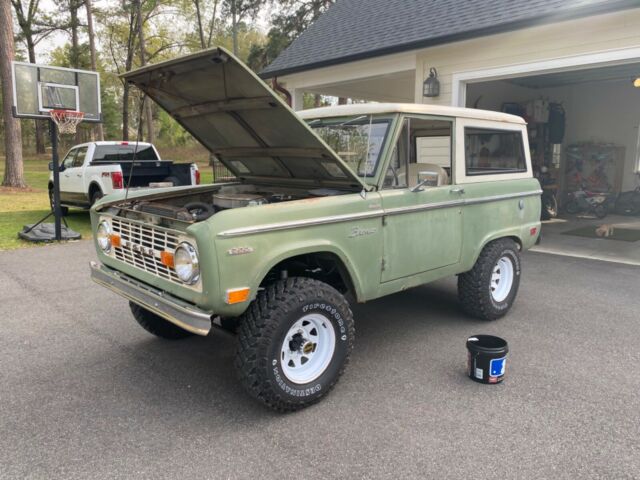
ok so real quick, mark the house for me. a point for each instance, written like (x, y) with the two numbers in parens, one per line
(574, 60)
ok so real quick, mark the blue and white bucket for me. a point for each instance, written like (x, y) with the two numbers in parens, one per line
(486, 358)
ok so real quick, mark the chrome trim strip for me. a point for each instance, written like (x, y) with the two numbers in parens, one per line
(167, 306)
(270, 227)
(506, 196)
(421, 208)
(236, 232)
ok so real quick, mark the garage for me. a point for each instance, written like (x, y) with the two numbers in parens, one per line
(584, 140)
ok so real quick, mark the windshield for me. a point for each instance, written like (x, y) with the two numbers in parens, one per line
(357, 140)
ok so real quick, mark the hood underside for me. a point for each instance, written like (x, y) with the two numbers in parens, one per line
(240, 120)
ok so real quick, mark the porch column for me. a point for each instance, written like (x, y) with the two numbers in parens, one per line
(297, 99)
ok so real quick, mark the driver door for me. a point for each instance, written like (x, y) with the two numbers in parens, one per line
(422, 226)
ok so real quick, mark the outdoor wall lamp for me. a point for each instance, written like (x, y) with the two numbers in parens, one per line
(431, 86)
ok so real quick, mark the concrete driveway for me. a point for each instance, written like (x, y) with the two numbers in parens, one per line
(86, 393)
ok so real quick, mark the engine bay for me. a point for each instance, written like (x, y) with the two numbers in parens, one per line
(201, 206)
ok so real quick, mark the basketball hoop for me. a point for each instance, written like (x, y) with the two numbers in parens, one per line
(66, 120)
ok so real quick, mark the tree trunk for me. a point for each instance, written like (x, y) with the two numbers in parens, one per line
(125, 111)
(98, 130)
(148, 114)
(75, 45)
(200, 28)
(13, 171)
(234, 27)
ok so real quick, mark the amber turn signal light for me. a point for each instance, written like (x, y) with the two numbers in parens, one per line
(116, 241)
(167, 259)
(237, 295)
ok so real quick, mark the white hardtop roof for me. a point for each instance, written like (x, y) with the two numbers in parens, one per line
(412, 108)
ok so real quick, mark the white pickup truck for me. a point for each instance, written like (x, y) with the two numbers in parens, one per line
(92, 170)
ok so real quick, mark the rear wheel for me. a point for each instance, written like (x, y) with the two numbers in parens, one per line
(294, 342)
(157, 325)
(95, 196)
(489, 289)
(572, 208)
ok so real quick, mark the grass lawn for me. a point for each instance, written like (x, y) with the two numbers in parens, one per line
(21, 207)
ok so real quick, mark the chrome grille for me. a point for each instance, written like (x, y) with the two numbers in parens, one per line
(142, 245)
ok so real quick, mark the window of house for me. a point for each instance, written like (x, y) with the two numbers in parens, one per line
(492, 151)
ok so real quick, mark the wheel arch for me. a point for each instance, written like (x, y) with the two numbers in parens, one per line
(325, 256)
(515, 236)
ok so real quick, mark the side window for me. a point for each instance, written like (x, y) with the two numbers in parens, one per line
(422, 154)
(396, 176)
(81, 153)
(70, 158)
(492, 151)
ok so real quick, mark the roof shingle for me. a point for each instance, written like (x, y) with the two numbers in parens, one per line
(355, 29)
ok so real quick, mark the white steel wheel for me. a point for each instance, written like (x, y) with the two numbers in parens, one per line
(307, 348)
(502, 279)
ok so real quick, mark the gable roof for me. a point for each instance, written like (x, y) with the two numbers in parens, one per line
(357, 29)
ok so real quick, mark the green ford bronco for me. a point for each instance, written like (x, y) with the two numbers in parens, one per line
(328, 206)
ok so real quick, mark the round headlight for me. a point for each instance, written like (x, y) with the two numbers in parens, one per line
(185, 261)
(103, 236)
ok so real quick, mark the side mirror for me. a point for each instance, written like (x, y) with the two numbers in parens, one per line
(424, 178)
(51, 166)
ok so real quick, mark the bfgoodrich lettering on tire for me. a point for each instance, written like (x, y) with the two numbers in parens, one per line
(489, 289)
(294, 343)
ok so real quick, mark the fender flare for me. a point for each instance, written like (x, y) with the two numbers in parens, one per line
(311, 248)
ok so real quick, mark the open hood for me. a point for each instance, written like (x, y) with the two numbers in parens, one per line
(239, 119)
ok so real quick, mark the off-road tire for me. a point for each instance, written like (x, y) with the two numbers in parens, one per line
(263, 328)
(474, 286)
(157, 325)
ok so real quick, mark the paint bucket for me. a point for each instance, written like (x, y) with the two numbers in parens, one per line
(486, 358)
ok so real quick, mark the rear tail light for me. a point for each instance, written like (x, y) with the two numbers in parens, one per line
(116, 180)
(197, 175)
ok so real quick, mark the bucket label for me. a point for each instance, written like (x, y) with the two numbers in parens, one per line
(479, 373)
(496, 366)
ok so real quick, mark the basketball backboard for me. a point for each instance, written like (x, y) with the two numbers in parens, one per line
(38, 89)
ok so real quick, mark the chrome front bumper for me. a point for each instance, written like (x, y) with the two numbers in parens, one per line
(176, 311)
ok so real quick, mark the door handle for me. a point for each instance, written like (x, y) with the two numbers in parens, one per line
(78, 175)
(457, 190)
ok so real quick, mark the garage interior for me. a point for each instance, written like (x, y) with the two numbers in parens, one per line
(584, 136)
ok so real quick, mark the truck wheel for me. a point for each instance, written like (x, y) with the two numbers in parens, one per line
(157, 325)
(294, 343)
(64, 211)
(95, 196)
(489, 289)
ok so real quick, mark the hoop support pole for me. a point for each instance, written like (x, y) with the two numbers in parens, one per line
(57, 209)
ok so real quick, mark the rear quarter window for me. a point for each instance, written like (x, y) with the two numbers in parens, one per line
(493, 151)
(119, 153)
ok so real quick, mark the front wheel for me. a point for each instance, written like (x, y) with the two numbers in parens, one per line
(64, 211)
(489, 289)
(157, 325)
(294, 343)
(600, 210)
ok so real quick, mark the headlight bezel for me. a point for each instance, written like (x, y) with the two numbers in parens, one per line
(192, 255)
(107, 236)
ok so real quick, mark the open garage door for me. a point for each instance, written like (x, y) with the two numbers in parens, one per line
(585, 145)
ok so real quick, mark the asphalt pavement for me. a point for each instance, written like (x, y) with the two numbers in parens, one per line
(86, 393)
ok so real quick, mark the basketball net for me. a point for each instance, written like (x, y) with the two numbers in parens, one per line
(66, 120)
